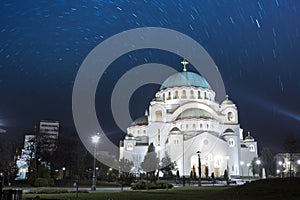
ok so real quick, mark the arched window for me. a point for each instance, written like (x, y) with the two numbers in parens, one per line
(201, 125)
(164, 97)
(194, 126)
(186, 126)
(129, 147)
(205, 95)
(199, 95)
(176, 95)
(251, 147)
(192, 94)
(194, 161)
(158, 115)
(230, 116)
(158, 137)
(183, 96)
(169, 95)
(231, 142)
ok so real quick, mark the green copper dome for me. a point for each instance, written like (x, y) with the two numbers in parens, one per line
(195, 113)
(141, 121)
(185, 78)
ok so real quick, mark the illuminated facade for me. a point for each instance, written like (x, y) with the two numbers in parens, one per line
(28, 153)
(184, 118)
(48, 135)
(288, 164)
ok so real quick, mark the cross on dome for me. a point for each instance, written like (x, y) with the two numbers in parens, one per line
(227, 97)
(184, 63)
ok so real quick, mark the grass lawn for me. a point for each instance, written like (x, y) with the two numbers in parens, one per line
(264, 189)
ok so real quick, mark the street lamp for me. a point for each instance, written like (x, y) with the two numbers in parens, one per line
(280, 163)
(95, 140)
(199, 168)
(242, 166)
(64, 171)
(298, 162)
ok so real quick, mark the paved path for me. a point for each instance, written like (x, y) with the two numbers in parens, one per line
(84, 189)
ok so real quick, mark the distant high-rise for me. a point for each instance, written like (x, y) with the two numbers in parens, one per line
(48, 131)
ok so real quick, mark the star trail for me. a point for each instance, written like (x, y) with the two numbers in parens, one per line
(255, 44)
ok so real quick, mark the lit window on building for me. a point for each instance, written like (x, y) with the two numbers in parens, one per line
(129, 147)
(199, 95)
(231, 142)
(252, 149)
(158, 137)
(192, 94)
(176, 96)
(158, 115)
(183, 96)
(169, 95)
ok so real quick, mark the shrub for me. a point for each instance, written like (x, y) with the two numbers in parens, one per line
(142, 185)
(40, 182)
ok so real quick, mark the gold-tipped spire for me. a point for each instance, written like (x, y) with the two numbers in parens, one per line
(227, 97)
(184, 63)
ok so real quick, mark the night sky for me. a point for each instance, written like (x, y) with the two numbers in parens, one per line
(255, 44)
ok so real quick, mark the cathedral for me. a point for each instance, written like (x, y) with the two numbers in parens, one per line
(186, 122)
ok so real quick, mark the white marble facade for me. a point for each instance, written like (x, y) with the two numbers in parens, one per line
(184, 118)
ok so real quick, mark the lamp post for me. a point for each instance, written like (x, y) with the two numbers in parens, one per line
(64, 171)
(199, 168)
(95, 140)
(242, 166)
(280, 163)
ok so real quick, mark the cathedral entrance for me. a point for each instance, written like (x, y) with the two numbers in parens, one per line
(217, 172)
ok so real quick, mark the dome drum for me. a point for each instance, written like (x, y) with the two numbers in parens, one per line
(186, 93)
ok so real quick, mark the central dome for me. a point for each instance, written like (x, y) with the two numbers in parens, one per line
(185, 78)
(195, 113)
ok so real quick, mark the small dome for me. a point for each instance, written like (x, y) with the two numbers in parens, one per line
(229, 130)
(195, 113)
(141, 121)
(227, 101)
(249, 137)
(185, 79)
(175, 129)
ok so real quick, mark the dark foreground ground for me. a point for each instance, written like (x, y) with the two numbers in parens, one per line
(269, 189)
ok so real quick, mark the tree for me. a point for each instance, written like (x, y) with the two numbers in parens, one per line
(268, 161)
(126, 177)
(254, 167)
(150, 163)
(177, 176)
(291, 145)
(7, 162)
(206, 172)
(226, 176)
(166, 167)
(213, 178)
